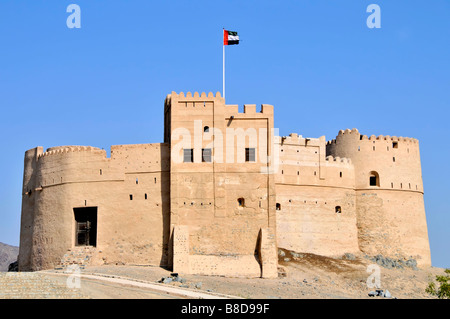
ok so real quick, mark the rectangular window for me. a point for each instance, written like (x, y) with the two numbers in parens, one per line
(206, 155)
(250, 155)
(188, 155)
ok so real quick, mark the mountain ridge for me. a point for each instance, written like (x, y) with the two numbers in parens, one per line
(8, 255)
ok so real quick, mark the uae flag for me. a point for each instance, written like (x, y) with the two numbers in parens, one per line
(230, 37)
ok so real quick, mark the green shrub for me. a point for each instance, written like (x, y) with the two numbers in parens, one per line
(443, 292)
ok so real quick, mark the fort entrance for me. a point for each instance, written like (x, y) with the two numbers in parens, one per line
(85, 226)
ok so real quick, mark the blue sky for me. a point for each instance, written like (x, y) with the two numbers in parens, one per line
(316, 61)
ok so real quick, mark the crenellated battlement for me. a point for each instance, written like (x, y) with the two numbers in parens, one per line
(197, 95)
(70, 149)
(198, 100)
(348, 131)
(296, 139)
(338, 159)
(354, 133)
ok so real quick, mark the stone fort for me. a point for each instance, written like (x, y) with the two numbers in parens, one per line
(222, 204)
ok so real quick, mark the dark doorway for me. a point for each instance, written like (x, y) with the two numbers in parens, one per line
(85, 226)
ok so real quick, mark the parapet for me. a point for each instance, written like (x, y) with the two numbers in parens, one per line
(354, 132)
(195, 96)
(338, 159)
(196, 99)
(70, 149)
(296, 139)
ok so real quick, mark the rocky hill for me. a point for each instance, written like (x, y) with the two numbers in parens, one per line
(8, 255)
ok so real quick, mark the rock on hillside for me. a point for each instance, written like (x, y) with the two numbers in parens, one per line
(8, 255)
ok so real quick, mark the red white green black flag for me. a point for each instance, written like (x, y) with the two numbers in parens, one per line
(230, 37)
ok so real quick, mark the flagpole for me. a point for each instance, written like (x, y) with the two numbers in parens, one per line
(223, 70)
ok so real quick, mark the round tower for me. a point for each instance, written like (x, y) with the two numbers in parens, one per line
(389, 194)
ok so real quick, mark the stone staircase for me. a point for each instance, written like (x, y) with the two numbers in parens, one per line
(31, 285)
(80, 256)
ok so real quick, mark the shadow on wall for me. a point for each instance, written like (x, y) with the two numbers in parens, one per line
(166, 254)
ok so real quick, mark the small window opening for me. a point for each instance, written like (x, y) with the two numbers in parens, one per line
(145, 196)
(359, 148)
(282, 171)
(250, 155)
(278, 206)
(206, 155)
(188, 155)
(392, 185)
(374, 179)
(374, 148)
(401, 185)
(340, 174)
(409, 185)
(101, 173)
(206, 129)
(315, 173)
(394, 144)
(298, 173)
(137, 181)
(131, 197)
(155, 180)
(393, 159)
(338, 209)
(241, 202)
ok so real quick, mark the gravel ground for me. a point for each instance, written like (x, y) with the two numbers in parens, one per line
(302, 276)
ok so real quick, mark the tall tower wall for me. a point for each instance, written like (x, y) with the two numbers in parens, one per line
(222, 208)
(389, 194)
(129, 192)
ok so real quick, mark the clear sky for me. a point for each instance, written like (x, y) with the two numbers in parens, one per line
(316, 61)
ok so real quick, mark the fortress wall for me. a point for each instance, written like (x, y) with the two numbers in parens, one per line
(307, 220)
(74, 164)
(302, 161)
(142, 158)
(28, 202)
(393, 224)
(395, 205)
(309, 187)
(399, 166)
(128, 230)
(214, 231)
